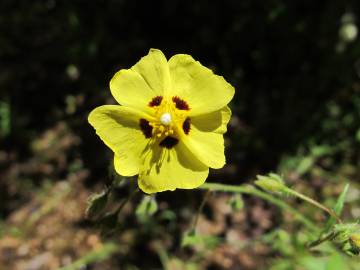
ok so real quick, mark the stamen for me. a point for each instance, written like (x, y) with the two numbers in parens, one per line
(146, 128)
(156, 101)
(186, 126)
(169, 142)
(165, 119)
(180, 103)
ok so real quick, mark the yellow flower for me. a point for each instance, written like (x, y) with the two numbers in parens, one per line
(169, 129)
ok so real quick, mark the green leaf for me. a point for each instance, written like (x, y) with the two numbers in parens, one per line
(191, 238)
(5, 119)
(321, 150)
(96, 204)
(168, 215)
(357, 136)
(305, 164)
(146, 208)
(338, 208)
(312, 263)
(340, 202)
(335, 262)
(236, 202)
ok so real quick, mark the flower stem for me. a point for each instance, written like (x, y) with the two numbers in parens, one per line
(126, 200)
(248, 189)
(313, 202)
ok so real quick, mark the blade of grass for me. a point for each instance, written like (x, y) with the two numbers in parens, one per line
(337, 209)
(92, 257)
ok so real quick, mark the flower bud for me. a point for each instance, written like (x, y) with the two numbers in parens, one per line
(272, 183)
(348, 237)
(355, 242)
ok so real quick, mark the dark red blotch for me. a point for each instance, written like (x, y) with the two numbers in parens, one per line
(180, 103)
(169, 142)
(186, 125)
(146, 128)
(156, 101)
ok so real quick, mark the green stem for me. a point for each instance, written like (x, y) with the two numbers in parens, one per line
(248, 189)
(319, 241)
(313, 202)
(125, 201)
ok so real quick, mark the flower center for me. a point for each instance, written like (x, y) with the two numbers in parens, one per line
(170, 123)
(165, 119)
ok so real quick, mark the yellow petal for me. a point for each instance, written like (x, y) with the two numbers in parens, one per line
(126, 166)
(203, 90)
(205, 139)
(137, 86)
(118, 127)
(168, 169)
(213, 122)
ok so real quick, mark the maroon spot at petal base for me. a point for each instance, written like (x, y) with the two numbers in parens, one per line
(156, 101)
(186, 126)
(146, 128)
(169, 142)
(180, 103)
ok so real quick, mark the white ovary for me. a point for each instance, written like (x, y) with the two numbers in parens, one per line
(165, 119)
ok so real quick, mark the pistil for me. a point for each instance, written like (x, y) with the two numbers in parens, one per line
(166, 119)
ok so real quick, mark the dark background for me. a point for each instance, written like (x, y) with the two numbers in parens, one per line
(295, 73)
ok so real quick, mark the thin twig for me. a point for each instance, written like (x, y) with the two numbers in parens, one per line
(196, 219)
